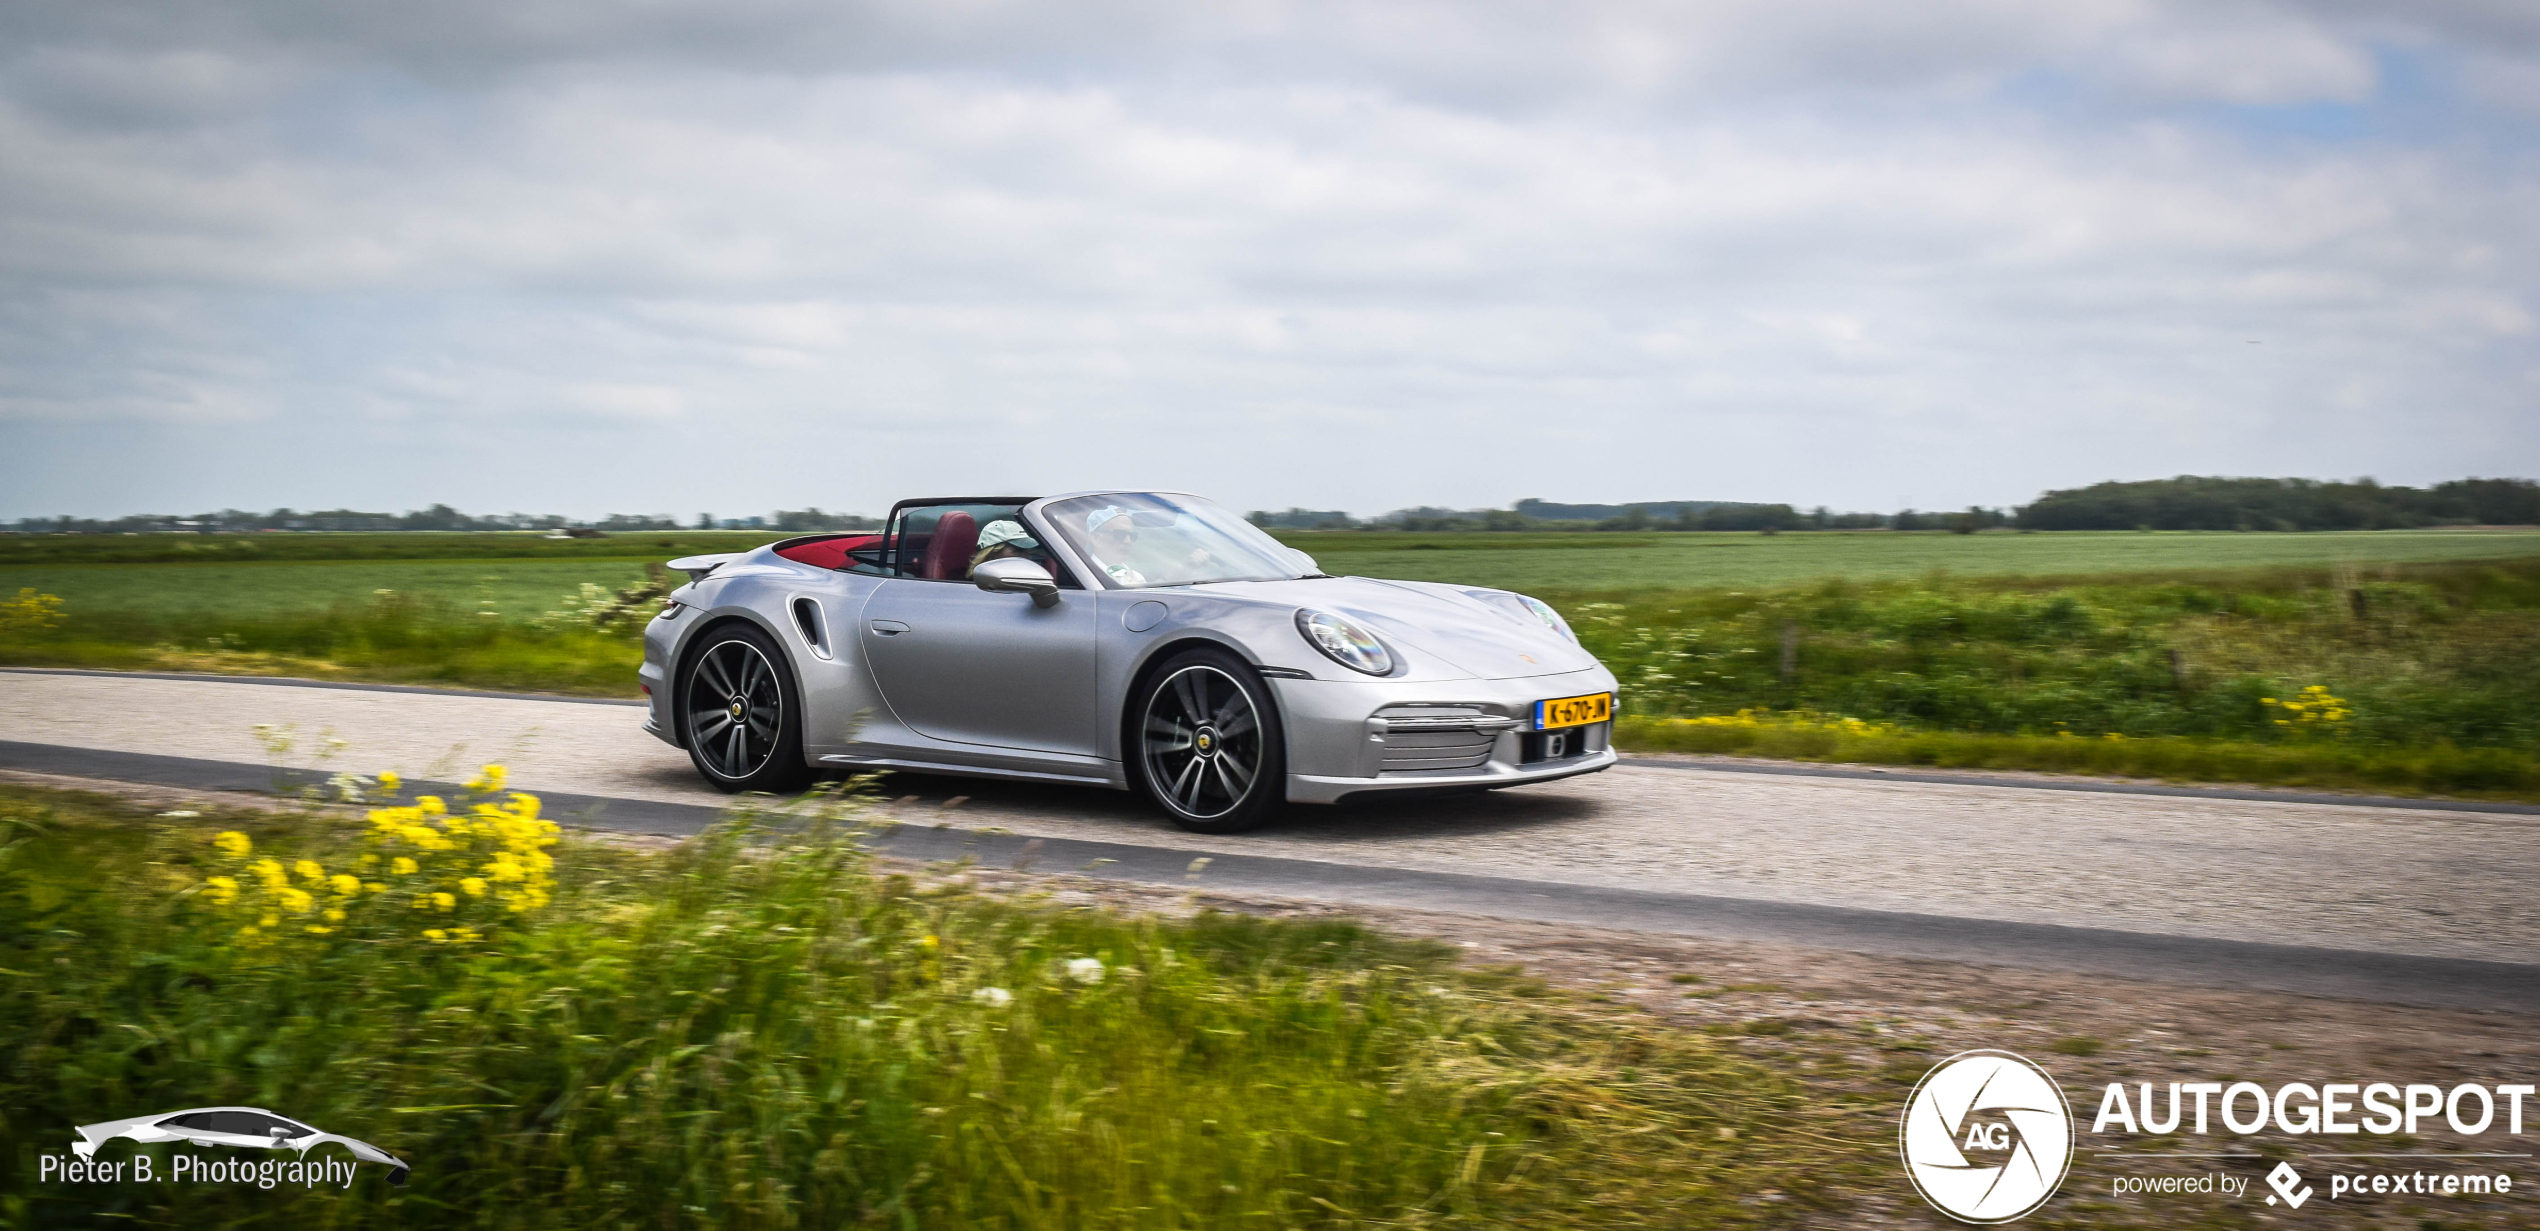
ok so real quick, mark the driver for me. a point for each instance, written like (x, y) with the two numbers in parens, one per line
(1113, 532)
(1003, 539)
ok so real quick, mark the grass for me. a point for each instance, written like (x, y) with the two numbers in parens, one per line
(2437, 662)
(388, 638)
(189, 598)
(1594, 562)
(760, 1029)
(2435, 668)
(41, 549)
(2482, 773)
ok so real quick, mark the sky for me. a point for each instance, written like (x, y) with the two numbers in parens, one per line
(578, 257)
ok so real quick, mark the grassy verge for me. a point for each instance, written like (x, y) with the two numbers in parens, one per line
(757, 1029)
(2485, 773)
(385, 637)
(2415, 678)
(575, 663)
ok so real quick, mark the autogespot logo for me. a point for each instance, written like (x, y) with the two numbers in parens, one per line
(1987, 1136)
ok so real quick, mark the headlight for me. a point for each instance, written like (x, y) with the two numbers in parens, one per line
(1552, 619)
(1344, 642)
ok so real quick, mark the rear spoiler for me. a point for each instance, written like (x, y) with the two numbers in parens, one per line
(698, 568)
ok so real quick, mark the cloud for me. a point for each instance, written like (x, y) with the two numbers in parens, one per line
(1353, 256)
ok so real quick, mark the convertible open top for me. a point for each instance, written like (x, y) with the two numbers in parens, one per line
(833, 551)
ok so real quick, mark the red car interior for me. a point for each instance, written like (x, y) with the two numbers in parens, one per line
(948, 553)
(829, 552)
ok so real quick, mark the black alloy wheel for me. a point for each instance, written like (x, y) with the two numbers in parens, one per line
(1210, 752)
(741, 713)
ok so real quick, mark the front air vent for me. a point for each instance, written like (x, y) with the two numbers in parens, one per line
(1420, 738)
(1412, 751)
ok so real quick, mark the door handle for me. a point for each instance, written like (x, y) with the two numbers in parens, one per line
(889, 628)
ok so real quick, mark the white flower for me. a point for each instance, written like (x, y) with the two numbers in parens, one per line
(993, 997)
(1085, 970)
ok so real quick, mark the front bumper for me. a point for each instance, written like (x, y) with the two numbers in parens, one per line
(1350, 737)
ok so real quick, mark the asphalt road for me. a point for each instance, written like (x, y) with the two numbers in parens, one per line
(2403, 902)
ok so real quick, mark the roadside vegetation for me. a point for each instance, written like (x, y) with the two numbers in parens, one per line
(2161, 655)
(2416, 678)
(1589, 561)
(759, 1028)
(31, 549)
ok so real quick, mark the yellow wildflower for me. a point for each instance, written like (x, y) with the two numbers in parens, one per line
(435, 934)
(401, 866)
(233, 844)
(444, 901)
(344, 886)
(297, 901)
(474, 888)
(430, 805)
(224, 890)
(309, 869)
(389, 781)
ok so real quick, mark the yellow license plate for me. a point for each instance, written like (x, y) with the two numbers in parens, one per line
(1574, 711)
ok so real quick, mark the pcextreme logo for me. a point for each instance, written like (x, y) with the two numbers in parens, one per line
(1987, 1136)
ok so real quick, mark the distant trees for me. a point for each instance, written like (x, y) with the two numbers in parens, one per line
(1301, 519)
(2188, 502)
(2192, 502)
(802, 521)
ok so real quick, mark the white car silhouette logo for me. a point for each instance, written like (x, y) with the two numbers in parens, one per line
(231, 1126)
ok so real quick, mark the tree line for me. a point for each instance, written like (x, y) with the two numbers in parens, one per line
(2187, 502)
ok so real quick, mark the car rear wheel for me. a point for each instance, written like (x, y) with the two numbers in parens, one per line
(742, 715)
(1209, 748)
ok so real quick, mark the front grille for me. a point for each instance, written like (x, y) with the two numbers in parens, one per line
(1417, 750)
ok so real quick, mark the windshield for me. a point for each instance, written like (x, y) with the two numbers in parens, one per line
(1142, 540)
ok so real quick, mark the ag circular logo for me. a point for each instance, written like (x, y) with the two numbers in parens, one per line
(1987, 1136)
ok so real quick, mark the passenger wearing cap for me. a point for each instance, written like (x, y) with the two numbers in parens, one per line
(1003, 539)
(1113, 532)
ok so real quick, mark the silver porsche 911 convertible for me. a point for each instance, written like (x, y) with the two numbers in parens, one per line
(1138, 640)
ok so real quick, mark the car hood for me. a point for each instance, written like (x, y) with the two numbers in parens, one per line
(1455, 626)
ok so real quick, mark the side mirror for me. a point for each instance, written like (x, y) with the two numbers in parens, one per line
(1304, 563)
(1014, 575)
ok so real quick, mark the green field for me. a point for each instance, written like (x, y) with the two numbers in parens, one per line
(195, 596)
(2179, 643)
(1590, 561)
(18, 549)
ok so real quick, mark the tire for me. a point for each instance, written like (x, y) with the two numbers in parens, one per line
(741, 715)
(1206, 744)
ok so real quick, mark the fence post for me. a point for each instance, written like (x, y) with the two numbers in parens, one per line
(1790, 649)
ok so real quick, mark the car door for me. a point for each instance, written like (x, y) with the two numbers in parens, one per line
(959, 663)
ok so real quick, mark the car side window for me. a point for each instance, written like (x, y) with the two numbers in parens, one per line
(243, 1123)
(941, 542)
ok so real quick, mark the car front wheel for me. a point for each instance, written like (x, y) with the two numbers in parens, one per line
(742, 714)
(1209, 749)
